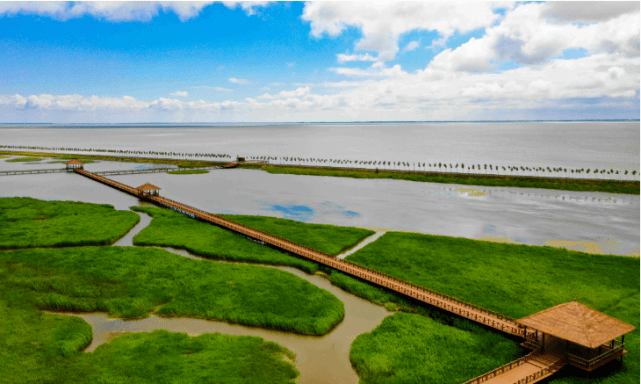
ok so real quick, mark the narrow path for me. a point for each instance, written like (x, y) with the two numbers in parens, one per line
(363, 243)
(470, 311)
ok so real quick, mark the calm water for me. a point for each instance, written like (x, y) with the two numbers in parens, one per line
(596, 222)
(611, 145)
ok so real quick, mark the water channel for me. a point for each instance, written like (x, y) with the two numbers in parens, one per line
(319, 359)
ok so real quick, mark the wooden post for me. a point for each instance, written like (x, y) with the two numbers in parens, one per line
(543, 342)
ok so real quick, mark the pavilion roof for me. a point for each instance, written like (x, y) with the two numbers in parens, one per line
(147, 187)
(577, 323)
(74, 162)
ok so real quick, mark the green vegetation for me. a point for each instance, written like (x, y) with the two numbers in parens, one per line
(26, 222)
(612, 186)
(4, 157)
(23, 159)
(191, 164)
(133, 282)
(172, 229)
(37, 347)
(120, 158)
(330, 239)
(86, 161)
(516, 280)
(188, 172)
(408, 348)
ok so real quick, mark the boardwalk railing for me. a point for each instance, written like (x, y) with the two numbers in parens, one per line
(32, 171)
(500, 370)
(460, 307)
(543, 372)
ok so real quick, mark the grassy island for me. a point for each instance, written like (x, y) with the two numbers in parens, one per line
(516, 280)
(188, 172)
(23, 159)
(612, 186)
(330, 239)
(27, 222)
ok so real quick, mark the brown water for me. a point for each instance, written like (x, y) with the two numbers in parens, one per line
(319, 359)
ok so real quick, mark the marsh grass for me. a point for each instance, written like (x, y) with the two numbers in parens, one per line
(27, 222)
(172, 229)
(409, 348)
(188, 172)
(330, 239)
(516, 280)
(37, 347)
(23, 159)
(612, 186)
(191, 164)
(134, 282)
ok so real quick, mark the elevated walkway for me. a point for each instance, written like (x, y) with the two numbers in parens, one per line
(529, 369)
(32, 171)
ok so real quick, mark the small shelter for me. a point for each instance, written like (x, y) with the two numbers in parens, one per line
(148, 189)
(240, 159)
(74, 164)
(588, 338)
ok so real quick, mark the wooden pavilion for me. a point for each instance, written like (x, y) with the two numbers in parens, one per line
(74, 164)
(148, 189)
(588, 338)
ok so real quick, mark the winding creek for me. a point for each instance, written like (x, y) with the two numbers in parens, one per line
(319, 359)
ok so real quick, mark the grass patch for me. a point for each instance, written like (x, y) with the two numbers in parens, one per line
(191, 164)
(408, 348)
(27, 222)
(133, 282)
(4, 157)
(612, 186)
(516, 280)
(172, 229)
(119, 158)
(330, 239)
(36, 347)
(86, 161)
(23, 159)
(188, 172)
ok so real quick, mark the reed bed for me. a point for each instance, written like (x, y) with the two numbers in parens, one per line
(23, 159)
(27, 223)
(134, 282)
(172, 229)
(188, 172)
(330, 239)
(516, 280)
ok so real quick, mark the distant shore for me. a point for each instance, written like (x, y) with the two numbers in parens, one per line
(567, 184)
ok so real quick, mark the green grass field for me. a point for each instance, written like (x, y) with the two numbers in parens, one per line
(330, 239)
(612, 186)
(26, 222)
(188, 172)
(516, 280)
(37, 347)
(409, 348)
(134, 282)
(172, 229)
(23, 159)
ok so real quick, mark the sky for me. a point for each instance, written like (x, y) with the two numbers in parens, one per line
(186, 62)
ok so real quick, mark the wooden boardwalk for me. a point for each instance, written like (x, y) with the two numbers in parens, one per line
(32, 171)
(470, 311)
(529, 369)
(152, 170)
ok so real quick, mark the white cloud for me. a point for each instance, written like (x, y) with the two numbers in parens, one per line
(412, 45)
(250, 7)
(180, 94)
(588, 11)
(342, 58)
(381, 23)
(221, 89)
(237, 81)
(265, 89)
(107, 10)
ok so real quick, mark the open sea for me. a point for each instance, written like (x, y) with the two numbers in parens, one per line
(581, 144)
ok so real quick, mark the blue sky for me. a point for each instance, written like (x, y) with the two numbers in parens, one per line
(84, 62)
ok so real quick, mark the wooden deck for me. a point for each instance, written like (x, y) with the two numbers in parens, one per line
(529, 369)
